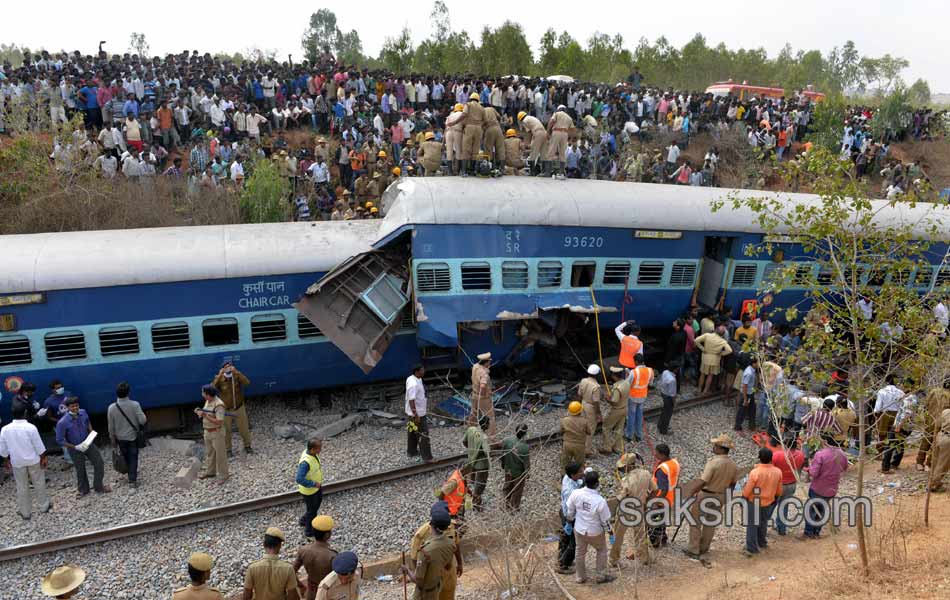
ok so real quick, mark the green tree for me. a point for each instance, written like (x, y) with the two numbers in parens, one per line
(848, 248)
(827, 123)
(138, 44)
(919, 93)
(893, 113)
(349, 48)
(264, 199)
(441, 23)
(397, 53)
(504, 51)
(321, 32)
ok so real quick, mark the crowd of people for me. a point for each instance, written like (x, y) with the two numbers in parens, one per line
(341, 134)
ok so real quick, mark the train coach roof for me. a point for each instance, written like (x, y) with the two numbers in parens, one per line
(83, 259)
(584, 203)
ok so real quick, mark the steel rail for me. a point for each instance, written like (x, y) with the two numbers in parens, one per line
(254, 504)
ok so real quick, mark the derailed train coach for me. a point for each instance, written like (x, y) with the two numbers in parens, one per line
(456, 267)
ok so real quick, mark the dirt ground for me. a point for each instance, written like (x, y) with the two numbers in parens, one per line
(907, 560)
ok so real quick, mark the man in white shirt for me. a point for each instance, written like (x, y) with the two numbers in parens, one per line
(591, 516)
(319, 173)
(21, 445)
(237, 170)
(888, 402)
(417, 428)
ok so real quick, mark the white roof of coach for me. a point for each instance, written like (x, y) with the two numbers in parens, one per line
(584, 203)
(83, 259)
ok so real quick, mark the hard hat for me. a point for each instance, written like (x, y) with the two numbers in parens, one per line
(561, 107)
(511, 133)
(522, 115)
(381, 154)
(429, 135)
(397, 171)
(593, 370)
(575, 408)
(459, 108)
(369, 204)
(374, 210)
(473, 96)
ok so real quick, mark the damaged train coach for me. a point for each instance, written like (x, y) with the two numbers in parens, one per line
(457, 267)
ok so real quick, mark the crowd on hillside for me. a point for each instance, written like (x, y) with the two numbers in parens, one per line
(341, 134)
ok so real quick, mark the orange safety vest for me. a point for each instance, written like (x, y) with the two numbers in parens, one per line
(630, 346)
(640, 381)
(456, 499)
(672, 470)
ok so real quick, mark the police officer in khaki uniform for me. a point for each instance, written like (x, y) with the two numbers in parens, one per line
(589, 393)
(453, 137)
(271, 578)
(435, 557)
(617, 413)
(212, 422)
(343, 583)
(199, 570)
(482, 393)
(575, 433)
(430, 154)
(454, 571)
(513, 159)
(637, 483)
(317, 556)
(360, 185)
(494, 140)
(718, 475)
(230, 383)
(558, 128)
(535, 137)
(473, 121)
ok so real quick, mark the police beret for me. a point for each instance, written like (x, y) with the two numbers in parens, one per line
(200, 561)
(439, 515)
(439, 508)
(345, 563)
(322, 523)
(274, 532)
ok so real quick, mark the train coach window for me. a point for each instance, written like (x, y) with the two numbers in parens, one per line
(433, 277)
(683, 274)
(114, 341)
(826, 276)
(65, 345)
(616, 272)
(802, 276)
(582, 274)
(743, 275)
(650, 273)
(220, 332)
(514, 275)
(942, 278)
(476, 276)
(170, 336)
(15, 350)
(549, 274)
(306, 328)
(267, 328)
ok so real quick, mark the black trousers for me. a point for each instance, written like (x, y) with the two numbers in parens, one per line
(476, 481)
(130, 451)
(417, 442)
(566, 545)
(312, 503)
(664, 424)
(894, 449)
(745, 411)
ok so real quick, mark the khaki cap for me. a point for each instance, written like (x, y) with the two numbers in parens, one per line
(63, 580)
(617, 369)
(723, 440)
(322, 523)
(628, 459)
(200, 561)
(274, 532)
(484, 356)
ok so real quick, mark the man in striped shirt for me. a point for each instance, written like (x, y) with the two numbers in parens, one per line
(821, 422)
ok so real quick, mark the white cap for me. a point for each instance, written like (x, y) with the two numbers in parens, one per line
(593, 370)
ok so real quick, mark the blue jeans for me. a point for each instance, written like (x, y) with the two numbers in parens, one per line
(634, 420)
(756, 526)
(763, 414)
(397, 151)
(130, 451)
(788, 491)
(816, 514)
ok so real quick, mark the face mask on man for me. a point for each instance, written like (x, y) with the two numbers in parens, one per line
(60, 391)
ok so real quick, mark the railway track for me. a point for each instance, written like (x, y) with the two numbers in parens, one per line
(255, 504)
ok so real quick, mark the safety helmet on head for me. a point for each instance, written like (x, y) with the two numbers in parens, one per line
(429, 135)
(575, 408)
(369, 204)
(511, 133)
(381, 154)
(473, 96)
(397, 171)
(458, 107)
(522, 115)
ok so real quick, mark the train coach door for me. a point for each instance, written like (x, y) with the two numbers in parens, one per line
(359, 305)
(717, 252)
